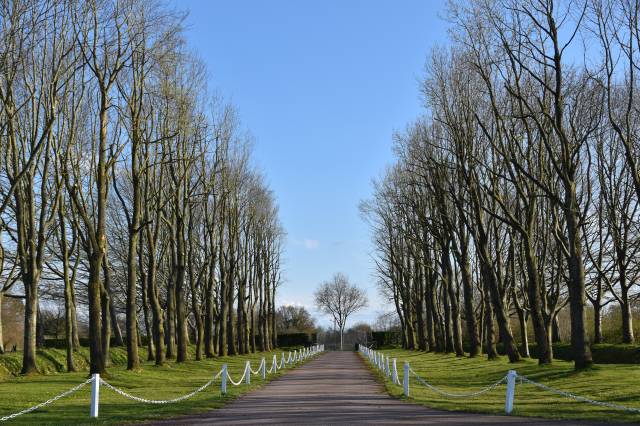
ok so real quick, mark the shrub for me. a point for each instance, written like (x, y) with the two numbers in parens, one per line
(296, 339)
(383, 339)
(602, 353)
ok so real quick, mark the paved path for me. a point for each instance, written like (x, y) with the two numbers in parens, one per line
(337, 388)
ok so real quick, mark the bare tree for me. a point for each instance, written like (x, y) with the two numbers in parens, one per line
(340, 299)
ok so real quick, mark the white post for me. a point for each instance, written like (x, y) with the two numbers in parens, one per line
(283, 362)
(388, 371)
(264, 369)
(405, 379)
(394, 372)
(223, 384)
(95, 395)
(275, 364)
(511, 391)
(247, 373)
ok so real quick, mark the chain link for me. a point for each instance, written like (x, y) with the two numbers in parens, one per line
(259, 368)
(239, 382)
(570, 395)
(47, 402)
(143, 400)
(459, 395)
(160, 401)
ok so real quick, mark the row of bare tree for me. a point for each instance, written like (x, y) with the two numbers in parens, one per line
(125, 190)
(516, 196)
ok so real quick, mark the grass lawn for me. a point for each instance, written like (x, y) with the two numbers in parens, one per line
(613, 383)
(151, 382)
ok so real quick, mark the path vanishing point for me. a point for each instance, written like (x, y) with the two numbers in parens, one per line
(337, 388)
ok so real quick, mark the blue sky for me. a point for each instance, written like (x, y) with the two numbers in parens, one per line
(322, 86)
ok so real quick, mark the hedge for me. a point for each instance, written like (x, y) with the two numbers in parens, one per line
(284, 340)
(383, 339)
(296, 339)
(604, 353)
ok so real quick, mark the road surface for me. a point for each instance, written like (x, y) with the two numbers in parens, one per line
(337, 388)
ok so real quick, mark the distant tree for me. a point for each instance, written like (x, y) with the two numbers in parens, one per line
(340, 299)
(294, 319)
(361, 327)
(387, 321)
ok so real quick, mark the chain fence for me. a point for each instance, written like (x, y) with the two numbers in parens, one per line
(458, 395)
(389, 371)
(524, 379)
(160, 401)
(95, 380)
(47, 402)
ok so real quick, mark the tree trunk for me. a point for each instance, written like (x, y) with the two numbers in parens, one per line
(579, 341)
(209, 317)
(223, 347)
(489, 328)
(30, 324)
(170, 319)
(133, 362)
(97, 358)
(454, 299)
(534, 291)
(469, 312)
(597, 323)
(1, 324)
(555, 330)
(148, 328)
(524, 344)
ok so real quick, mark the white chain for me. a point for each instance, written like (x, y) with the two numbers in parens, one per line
(259, 368)
(160, 401)
(47, 402)
(459, 395)
(524, 379)
(138, 399)
(239, 382)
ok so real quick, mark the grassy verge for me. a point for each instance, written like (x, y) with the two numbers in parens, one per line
(614, 383)
(151, 382)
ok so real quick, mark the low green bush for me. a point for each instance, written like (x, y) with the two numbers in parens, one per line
(384, 339)
(604, 353)
(296, 339)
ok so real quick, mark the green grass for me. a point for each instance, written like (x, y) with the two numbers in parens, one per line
(614, 383)
(151, 382)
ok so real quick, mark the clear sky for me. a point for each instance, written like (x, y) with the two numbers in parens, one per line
(322, 85)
